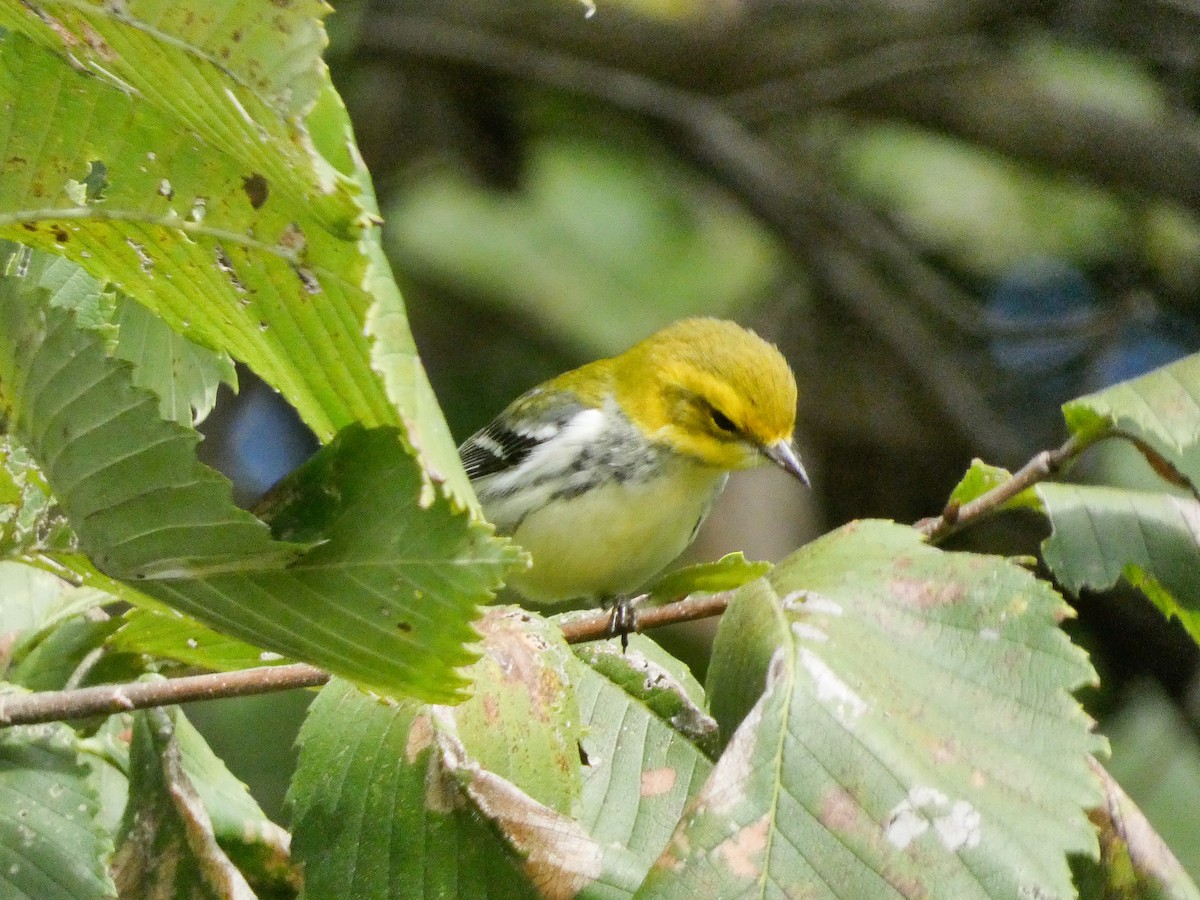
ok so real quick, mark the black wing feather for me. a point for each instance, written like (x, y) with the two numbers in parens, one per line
(505, 442)
(494, 449)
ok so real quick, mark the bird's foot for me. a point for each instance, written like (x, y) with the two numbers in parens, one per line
(623, 618)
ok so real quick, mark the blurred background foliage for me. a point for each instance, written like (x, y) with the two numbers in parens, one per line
(951, 215)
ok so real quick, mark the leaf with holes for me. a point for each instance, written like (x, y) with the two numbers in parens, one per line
(641, 767)
(30, 520)
(184, 375)
(50, 847)
(915, 732)
(1102, 534)
(201, 161)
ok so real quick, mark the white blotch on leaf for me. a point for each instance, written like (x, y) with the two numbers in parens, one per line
(144, 259)
(241, 110)
(832, 692)
(807, 632)
(725, 789)
(960, 827)
(957, 823)
(811, 602)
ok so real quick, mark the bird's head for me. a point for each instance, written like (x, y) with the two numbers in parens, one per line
(712, 391)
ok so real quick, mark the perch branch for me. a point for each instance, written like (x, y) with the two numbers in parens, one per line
(101, 700)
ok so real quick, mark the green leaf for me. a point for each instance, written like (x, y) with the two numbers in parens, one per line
(167, 847)
(521, 722)
(981, 478)
(386, 597)
(1101, 534)
(1161, 774)
(1159, 411)
(128, 481)
(376, 815)
(730, 571)
(169, 634)
(30, 520)
(203, 164)
(60, 656)
(255, 844)
(659, 682)
(423, 801)
(1134, 863)
(28, 598)
(49, 626)
(391, 590)
(749, 633)
(640, 770)
(106, 754)
(50, 847)
(184, 375)
(915, 734)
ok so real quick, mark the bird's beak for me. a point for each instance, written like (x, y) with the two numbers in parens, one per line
(784, 455)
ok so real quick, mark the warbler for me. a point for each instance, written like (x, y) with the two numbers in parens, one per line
(605, 473)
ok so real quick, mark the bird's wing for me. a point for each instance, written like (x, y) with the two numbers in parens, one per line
(531, 420)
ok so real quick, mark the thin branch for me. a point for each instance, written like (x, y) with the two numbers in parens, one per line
(106, 699)
(1042, 466)
(595, 626)
(101, 700)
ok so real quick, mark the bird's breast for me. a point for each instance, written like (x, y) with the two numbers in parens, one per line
(610, 537)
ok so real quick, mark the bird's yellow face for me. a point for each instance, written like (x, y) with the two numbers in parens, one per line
(718, 393)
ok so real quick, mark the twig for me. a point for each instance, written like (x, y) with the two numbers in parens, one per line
(105, 699)
(595, 626)
(1042, 466)
(82, 703)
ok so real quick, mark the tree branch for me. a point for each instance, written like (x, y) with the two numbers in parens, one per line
(82, 703)
(106, 699)
(1043, 465)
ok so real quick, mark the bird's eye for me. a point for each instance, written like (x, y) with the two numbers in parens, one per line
(723, 422)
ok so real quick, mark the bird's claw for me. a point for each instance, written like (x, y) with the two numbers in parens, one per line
(623, 619)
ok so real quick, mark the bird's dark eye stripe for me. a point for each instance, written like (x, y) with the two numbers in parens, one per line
(723, 421)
